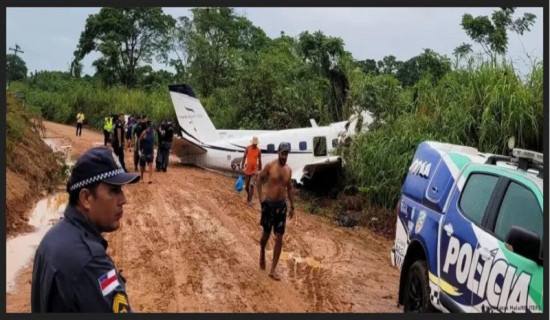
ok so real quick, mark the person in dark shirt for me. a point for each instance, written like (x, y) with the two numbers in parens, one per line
(165, 135)
(128, 133)
(146, 146)
(72, 271)
(118, 140)
(140, 127)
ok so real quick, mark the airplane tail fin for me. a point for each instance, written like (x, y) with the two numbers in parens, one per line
(192, 117)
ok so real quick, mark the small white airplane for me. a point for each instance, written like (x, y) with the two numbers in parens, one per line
(222, 150)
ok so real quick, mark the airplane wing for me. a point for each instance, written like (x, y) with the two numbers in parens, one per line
(311, 168)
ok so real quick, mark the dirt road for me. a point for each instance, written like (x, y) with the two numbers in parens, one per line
(189, 243)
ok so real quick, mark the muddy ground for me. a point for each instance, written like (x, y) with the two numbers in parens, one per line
(31, 169)
(189, 243)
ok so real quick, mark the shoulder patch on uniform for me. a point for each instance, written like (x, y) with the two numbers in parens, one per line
(120, 303)
(108, 282)
(95, 248)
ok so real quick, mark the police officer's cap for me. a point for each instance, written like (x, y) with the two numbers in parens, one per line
(99, 164)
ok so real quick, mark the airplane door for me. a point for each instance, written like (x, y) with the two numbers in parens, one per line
(320, 146)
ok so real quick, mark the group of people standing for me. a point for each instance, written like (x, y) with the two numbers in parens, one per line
(137, 135)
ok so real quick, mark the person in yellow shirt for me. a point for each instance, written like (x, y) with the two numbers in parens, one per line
(79, 122)
(107, 128)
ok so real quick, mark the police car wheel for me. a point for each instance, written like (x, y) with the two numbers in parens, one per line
(417, 289)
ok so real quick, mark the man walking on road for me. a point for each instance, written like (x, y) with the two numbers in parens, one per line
(72, 271)
(139, 127)
(273, 213)
(146, 147)
(79, 122)
(129, 126)
(253, 156)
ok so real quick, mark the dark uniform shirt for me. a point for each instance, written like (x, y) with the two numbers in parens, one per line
(140, 127)
(169, 135)
(118, 126)
(72, 271)
(160, 134)
(165, 134)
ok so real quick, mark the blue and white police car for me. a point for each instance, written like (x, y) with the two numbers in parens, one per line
(469, 231)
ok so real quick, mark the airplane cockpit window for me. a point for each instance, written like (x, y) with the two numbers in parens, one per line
(271, 148)
(319, 146)
(303, 145)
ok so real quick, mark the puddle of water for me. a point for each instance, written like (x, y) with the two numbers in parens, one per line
(294, 256)
(50, 143)
(65, 149)
(20, 250)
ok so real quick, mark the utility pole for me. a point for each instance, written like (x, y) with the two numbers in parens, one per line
(16, 50)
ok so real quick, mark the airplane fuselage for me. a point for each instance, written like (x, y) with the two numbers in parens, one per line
(223, 150)
(307, 145)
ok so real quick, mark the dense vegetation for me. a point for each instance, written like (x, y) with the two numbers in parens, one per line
(248, 80)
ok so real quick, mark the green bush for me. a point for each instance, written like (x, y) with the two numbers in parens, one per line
(480, 106)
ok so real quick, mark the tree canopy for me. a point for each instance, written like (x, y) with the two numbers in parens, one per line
(16, 68)
(127, 38)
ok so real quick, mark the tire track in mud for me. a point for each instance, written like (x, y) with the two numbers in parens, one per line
(310, 277)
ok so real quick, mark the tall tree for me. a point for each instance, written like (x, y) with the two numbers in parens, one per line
(210, 47)
(461, 52)
(323, 54)
(127, 38)
(369, 67)
(428, 63)
(492, 34)
(16, 68)
(389, 65)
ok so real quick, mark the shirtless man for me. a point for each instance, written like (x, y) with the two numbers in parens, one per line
(279, 185)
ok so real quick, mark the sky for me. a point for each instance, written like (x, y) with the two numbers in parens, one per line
(49, 36)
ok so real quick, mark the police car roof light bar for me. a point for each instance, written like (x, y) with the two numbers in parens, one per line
(536, 157)
(528, 159)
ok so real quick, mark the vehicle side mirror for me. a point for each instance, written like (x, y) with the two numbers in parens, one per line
(525, 243)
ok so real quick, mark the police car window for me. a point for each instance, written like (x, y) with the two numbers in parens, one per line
(519, 208)
(476, 195)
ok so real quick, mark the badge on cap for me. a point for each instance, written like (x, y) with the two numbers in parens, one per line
(116, 159)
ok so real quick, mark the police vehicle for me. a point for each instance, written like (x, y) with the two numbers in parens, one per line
(469, 231)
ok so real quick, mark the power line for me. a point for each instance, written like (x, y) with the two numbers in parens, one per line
(17, 49)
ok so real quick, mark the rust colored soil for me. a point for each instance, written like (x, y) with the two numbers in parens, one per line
(189, 243)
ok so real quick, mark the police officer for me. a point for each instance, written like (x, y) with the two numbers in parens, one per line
(168, 137)
(72, 271)
(165, 135)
